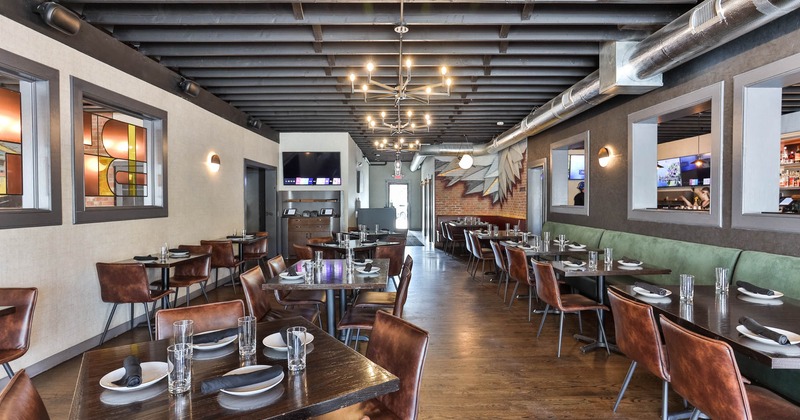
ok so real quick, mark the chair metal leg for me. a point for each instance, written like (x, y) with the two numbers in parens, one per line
(560, 332)
(625, 384)
(513, 294)
(544, 316)
(103, 337)
(147, 316)
(505, 290)
(358, 336)
(131, 305)
(9, 372)
(203, 289)
(530, 305)
(233, 278)
(580, 322)
(602, 330)
(347, 337)
(695, 414)
(664, 400)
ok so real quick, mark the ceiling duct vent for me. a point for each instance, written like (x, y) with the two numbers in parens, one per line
(706, 14)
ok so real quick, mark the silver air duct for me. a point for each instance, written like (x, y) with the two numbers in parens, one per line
(702, 29)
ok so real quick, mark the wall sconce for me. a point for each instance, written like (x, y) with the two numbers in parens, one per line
(214, 162)
(59, 17)
(604, 156)
(465, 162)
(189, 87)
(252, 122)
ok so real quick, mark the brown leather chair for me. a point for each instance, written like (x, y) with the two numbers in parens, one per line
(638, 338)
(499, 254)
(443, 236)
(704, 372)
(256, 250)
(257, 300)
(20, 400)
(222, 256)
(519, 272)
(303, 252)
(191, 272)
(395, 255)
(399, 347)
(548, 291)
(126, 283)
(291, 298)
(362, 318)
(470, 253)
(320, 240)
(208, 317)
(15, 329)
(383, 300)
(479, 253)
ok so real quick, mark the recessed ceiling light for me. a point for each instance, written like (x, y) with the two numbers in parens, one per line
(500, 123)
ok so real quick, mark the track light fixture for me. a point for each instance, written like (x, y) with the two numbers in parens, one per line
(59, 17)
(252, 122)
(189, 87)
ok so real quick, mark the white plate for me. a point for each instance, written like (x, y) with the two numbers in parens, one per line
(366, 261)
(178, 255)
(233, 402)
(633, 267)
(627, 264)
(757, 301)
(661, 299)
(527, 248)
(152, 372)
(211, 346)
(644, 292)
(572, 264)
(149, 260)
(275, 341)
(254, 388)
(577, 246)
(758, 296)
(125, 398)
(793, 338)
(291, 277)
(373, 270)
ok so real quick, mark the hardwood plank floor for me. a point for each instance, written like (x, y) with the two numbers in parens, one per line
(484, 360)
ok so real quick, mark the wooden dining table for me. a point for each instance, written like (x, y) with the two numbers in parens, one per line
(7, 310)
(165, 265)
(332, 275)
(355, 245)
(335, 376)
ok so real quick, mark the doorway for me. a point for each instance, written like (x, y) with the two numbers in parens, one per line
(261, 201)
(537, 195)
(398, 198)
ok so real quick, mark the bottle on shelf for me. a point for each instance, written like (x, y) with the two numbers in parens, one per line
(785, 155)
(791, 157)
(797, 155)
(783, 179)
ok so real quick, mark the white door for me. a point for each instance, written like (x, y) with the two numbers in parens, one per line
(398, 198)
(537, 195)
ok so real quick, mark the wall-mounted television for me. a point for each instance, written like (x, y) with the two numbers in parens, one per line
(576, 167)
(669, 173)
(312, 168)
(694, 175)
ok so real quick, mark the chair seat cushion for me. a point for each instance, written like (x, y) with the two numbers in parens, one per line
(765, 404)
(248, 256)
(183, 281)
(7, 355)
(375, 299)
(310, 314)
(358, 318)
(304, 297)
(156, 295)
(372, 409)
(576, 302)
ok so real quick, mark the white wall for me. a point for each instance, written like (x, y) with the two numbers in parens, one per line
(380, 176)
(59, 260)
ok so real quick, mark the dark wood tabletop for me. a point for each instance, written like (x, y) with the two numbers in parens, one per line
(718, 316)
(552, 251)
(354, 245)
(7, 310)
(616, 269)
(165, 265)
(335, 376)
(502, 235)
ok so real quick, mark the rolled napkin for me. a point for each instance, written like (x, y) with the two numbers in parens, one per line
(233, 236)
(144, 258)
(750, 287)
(368, 267)
(628, 260)
(368, 242)
(292, 271)
(763, 331)
(234, 381)
(178, 251)
(215, 336)
(359, 260)
(575, 244)
(575, 261)
(651, 288)
(133, 373)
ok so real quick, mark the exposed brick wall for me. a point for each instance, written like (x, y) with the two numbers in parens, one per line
(453, 201)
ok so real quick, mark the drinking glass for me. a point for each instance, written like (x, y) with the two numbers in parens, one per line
(525, 238)
(317, 257)
(608, 256)
(508, 227)
(562, 239)
(687, 288)
(296, 348)
(535, 242)
(546, 236)
(179, 368)
(592, 260)
(377, 228)
(721, 284)
(247, 335)
(183, 333)
(164, 251)
(244, 232)
(308, 271)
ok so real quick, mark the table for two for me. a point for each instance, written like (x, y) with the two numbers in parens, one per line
(335, 376)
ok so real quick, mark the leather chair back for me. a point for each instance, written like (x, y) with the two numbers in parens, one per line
(256, 299)
(399, 347)
(276, 265)
(20, 400)
(208, 317)
(448, 231)
(259, 246)
(517, 265)
(15, 329)
(221, 253)
(637, 334)
(200, 267)
(320, 240)
(498, 251)
(123, 282)
(546, 284)
(395, 255)
(402, 287)
(704, 371)
(469, 243)
(303, 252)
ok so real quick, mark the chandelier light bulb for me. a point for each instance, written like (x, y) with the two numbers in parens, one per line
(408, 63)
(444, 70)
(369, 118)
(372, 124)
(365, 88)
(352, 77)
(448, 82)
(377, 143)
(465, 162)
(427, 117)
(370, 67)
(413, 126)
(428, 90)
(402, 140)
(409, 113)
(383, 114)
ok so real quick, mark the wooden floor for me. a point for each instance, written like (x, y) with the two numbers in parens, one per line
(484, 360)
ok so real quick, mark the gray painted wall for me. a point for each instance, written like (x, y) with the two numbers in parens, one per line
(379, 177)
(608, 127)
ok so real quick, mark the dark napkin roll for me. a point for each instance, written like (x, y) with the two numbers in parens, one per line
(133, 373)
(292, 271)
(763, 331)
(628, 260)
(144, 258)
(575, 260)
(368, 242)
(651, 288)
(233, 236)
(234, 381)
(178, 251)
(575, 243)
(750, 287)
(368, 268)
(215, 336)
(359, 260)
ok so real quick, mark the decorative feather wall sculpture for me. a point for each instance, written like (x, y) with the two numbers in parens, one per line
(491, 175)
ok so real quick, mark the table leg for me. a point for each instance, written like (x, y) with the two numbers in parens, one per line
(330, 306)
(599, 342)
(165, 286)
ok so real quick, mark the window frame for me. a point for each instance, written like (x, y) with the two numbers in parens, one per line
(81, 90)
(45, 176)
(560, 196)
(642, 157)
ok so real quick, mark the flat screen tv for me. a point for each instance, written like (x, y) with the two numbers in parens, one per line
(312, 168)
(669, 173)
(576, 167)
(692, 174)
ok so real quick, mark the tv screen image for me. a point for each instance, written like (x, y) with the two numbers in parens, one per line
(669, 173)
(576, 167)
(312, 168)
(690, 171)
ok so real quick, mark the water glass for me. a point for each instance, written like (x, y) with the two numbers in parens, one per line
(244, 232)
(377, 228)
(525, 238)
(317, 257)
(247, 335)
(608, 256)
(546, 236)
(183, 333)
(179, 368)
(296, 348)
(592, 260)
(562, 239)
(535, 242)
(721, 284)
(687, 288)
(508, 227)
(308, 271)
(164, 251)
